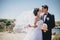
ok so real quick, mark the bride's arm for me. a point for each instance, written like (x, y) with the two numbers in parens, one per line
(35, 21)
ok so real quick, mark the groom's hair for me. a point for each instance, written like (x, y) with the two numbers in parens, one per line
(45, 6)
(35, 11)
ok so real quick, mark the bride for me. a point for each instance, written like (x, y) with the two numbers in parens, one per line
(35, 32)
(35, 25)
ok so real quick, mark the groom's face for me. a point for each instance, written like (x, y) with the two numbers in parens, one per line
(44, 10)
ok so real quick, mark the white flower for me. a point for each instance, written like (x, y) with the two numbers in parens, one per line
(47, 18)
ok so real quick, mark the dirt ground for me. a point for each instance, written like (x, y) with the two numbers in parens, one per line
(12, 36)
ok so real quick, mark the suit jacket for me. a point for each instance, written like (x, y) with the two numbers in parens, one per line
(50, 21)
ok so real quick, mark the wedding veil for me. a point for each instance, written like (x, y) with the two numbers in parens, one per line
(23, 20)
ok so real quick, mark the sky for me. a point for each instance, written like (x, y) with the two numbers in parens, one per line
(11, 9)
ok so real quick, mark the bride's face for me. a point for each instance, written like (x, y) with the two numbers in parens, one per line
(39, 12)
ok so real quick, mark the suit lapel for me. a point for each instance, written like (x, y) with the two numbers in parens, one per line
(46, 17)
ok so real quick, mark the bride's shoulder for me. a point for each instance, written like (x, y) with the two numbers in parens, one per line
(36, 17)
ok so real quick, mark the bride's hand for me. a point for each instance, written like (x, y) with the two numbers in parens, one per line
(32, 25)
(35, 26)
(45, 30)
(29, 25)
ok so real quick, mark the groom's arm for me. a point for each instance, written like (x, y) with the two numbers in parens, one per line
(53, 21)
(52, 24)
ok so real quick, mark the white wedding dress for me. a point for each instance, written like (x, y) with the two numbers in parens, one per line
(34, 33)
(28, 18)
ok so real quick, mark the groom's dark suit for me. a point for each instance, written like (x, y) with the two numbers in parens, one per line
(50, 21)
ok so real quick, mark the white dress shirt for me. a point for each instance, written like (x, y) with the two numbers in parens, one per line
(45, 16)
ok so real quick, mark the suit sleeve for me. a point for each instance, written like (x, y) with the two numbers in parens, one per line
(52, 22)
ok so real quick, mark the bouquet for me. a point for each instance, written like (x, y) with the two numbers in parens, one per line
(44, 27)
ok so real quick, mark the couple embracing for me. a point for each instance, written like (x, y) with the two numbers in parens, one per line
(43, 24)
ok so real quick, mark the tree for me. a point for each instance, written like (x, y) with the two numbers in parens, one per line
(54, 33)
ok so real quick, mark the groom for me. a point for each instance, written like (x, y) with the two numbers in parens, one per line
(50, 21)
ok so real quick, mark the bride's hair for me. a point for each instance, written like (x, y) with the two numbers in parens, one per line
(35, 11)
